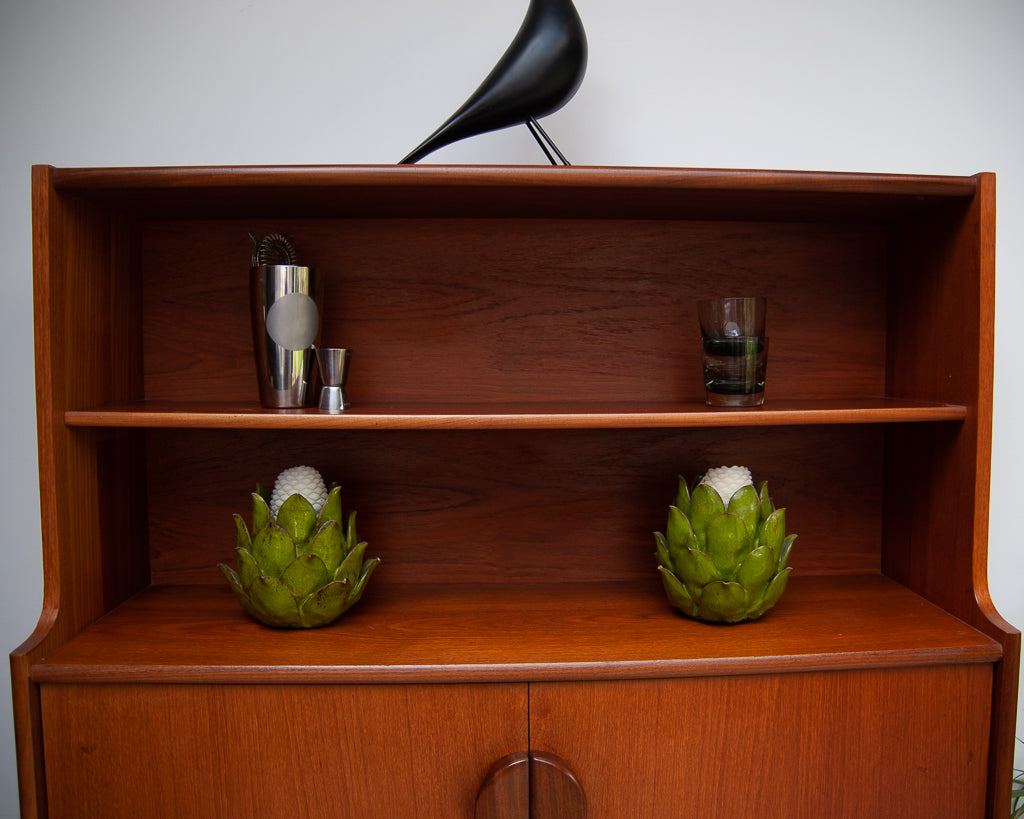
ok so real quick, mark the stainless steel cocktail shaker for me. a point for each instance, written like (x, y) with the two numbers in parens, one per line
(285, 326)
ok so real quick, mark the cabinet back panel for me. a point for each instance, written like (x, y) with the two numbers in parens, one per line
(499, 506)
(460, 310)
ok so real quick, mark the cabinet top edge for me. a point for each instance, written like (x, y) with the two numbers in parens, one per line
(474, 191)
(313, 176)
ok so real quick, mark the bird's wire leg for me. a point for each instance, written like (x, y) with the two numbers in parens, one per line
(545, 142)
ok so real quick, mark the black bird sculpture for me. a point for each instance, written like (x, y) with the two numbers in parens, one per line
(539, 73)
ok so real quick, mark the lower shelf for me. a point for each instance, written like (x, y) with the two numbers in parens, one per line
(500, 633)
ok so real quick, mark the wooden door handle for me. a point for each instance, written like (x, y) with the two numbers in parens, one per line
(533, 785)
(555, 792)
(505, 792)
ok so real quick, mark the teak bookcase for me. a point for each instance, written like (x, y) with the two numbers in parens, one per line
(526, 389)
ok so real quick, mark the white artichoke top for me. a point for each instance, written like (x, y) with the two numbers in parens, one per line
(727, 480)
(299, 480)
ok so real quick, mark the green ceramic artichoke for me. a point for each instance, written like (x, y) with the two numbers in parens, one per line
(300, 569)
(724, 564)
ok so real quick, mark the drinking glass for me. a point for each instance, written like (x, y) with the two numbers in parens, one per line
(734, 350)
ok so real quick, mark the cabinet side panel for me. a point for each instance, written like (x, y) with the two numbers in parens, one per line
(373, 752)
(847, 745)
(939, 349)
(942, 301)
(88, 351)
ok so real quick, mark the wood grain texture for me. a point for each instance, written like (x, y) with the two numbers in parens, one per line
(514, 505)
(511, 415)
(555, 792)
(87, 325)
(516, 632)
(907, 743)
(947, 282)
(505, 792)
(483, 310)
(364, 752)
(429, 192)
(526, 388)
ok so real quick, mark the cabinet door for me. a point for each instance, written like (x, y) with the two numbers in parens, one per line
(272, 750)
(897, 742)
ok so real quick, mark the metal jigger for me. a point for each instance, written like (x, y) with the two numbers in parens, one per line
(333, 364)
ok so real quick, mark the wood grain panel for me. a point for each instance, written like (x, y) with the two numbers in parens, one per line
(530, 505)
(505, 793)
(360, 752)
(429, 192)
(512, 415)
(498, 287)
(909, 743)
(504, 633)
(484, 310)
(87, 317)
(555, 792)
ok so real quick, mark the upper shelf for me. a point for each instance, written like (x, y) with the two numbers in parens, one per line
(491, 191)
(582, 415)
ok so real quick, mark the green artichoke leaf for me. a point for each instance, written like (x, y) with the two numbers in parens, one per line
(367, 570)
(298, 518)
(364, 577)
(756, 571)
(351, 538)
(272, 603)
(261, 514)
(242, 539)
(746, 503)
(332, 508)
(234, 581)
(728, 542)
(662, 551)
(325, 605)
(248, 569)
(773, 531)
(683, 496)
(678, 532)
(329, 545)
(787, 546)
(273, 549)
(350, 566)
(705, 504)
(723, 602)
(264, 492)
(305, 575)
(677, 593)
(696, 569)
(773, 593)
(767, 507)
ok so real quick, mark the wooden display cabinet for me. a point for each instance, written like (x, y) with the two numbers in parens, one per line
(525, 389)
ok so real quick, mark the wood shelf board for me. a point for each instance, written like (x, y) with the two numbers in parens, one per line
(499, 632)
(360, 191)
(169, 415)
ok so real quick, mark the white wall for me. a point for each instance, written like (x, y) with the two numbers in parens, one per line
(929, 86)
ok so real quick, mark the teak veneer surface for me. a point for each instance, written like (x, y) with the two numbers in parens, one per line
(906, 743)
(322, 752)
(494, 632)
(568, 415)
(430, 191)
(525, 387)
